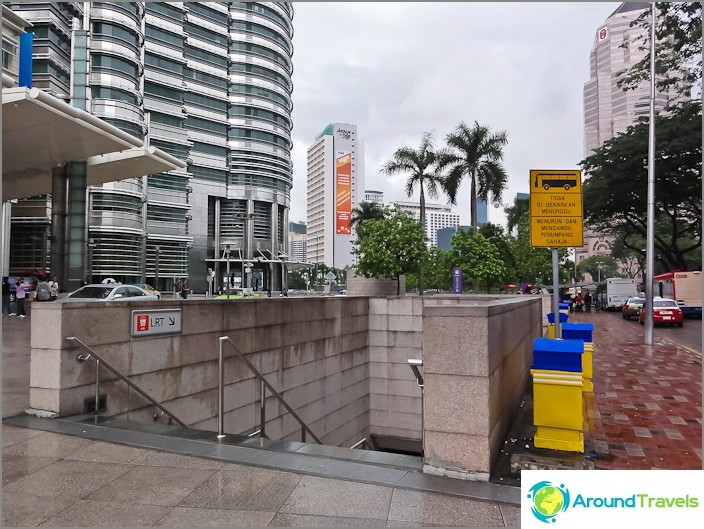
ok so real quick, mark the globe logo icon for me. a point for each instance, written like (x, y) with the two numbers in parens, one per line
(548, 500)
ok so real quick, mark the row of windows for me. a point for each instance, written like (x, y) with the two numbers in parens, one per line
(208, 35)
(166, 119)
(209, 149)
(259, 181)
(205, 125)
(267, 11)
(283, 174)
(260, 50)
(205, 56)
(132, 8)
(241, 25)
(236, 88)
(163, 91)
(165, 9)
(213, 14)
(174, 149)
(46, 66)
(205, 101)
(114, 63)
(237, 110)
(164, 36)
(118, 32)
(133, 129)
(263, 72)
(105, 92)
(114, 202)
(166, 214)
(57, 39)
(164, 63)
(206, 173)
(231, 221)
(206, 78)
(259, 135)
(169, 182)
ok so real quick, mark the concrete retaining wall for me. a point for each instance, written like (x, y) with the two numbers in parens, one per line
(374, 286)
(312, 350)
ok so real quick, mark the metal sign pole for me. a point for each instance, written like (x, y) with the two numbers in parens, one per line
(650, 214)
(556, 293)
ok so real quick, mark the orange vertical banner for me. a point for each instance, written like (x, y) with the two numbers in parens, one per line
(343, 194)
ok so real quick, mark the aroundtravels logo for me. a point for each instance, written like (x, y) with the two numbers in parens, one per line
(548, 500)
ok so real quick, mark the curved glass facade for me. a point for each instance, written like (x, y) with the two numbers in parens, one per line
(208, 83)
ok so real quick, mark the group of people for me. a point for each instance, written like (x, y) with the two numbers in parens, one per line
(39, 288)
(181, 289)
(581, 304)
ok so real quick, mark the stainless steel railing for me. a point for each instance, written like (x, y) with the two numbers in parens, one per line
(264, 386)
(101, 361)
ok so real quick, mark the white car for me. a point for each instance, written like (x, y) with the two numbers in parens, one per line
(109, 292)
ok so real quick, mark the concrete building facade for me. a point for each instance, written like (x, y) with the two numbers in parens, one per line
(335, 187)
(608, 109)
(209, 83)
(375, 197)
(437, 217)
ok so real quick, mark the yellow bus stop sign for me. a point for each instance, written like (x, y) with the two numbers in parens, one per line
(556, 219)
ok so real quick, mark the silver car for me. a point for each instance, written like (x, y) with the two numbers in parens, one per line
(109, 292)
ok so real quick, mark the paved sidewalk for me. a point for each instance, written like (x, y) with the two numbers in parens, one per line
(646, 409)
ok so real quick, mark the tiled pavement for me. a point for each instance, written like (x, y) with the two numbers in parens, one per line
(55, 480)
(646, 409)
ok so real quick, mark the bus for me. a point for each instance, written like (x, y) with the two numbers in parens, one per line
(684, 287)
(615, 291)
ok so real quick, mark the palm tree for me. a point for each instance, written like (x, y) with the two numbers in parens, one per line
(422, 167)
(365, 211)
(475, 153)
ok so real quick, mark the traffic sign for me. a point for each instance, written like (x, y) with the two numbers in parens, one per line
(161, 321)
(556, 219)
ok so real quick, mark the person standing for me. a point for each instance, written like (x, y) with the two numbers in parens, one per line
(21, 296)
(177, 289)
(6, 305)
(54, 287)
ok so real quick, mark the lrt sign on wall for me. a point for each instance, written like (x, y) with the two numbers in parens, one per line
(556, 219)
(150, 322)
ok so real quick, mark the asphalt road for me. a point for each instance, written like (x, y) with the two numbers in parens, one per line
(688, 336)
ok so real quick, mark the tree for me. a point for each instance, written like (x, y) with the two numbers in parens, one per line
(437, 270)
(515, 212)
(678, 60)
(475, 153)
(495, 234)
(615, 195)
(421, 165)
(391, 247)
(366, 211)
(478, 257)
(534, 265)
(599, 266)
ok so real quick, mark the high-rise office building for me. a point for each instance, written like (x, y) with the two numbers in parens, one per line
(437, 217)
(375, 197)
(482, 213)
(608, 109)
(335, 188)
(297, 237)
(206, 82)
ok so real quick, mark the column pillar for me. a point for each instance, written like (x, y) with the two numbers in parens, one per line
(76, 225)
(58, 225)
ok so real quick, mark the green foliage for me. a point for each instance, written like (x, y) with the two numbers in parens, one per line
(479, 259)
(678, 51)
(615, 195)
(391, 247)
(475, 153)
(603, 266)
(495, 234)
(515, 212)
(534, 265)
(366, 211)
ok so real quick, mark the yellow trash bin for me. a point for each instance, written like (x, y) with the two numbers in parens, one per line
(587, 368)
(558, 410)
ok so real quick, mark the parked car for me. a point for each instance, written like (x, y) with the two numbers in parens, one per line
(239, 293)
(665, 311)
(631, 308)
(148, 289)
(110, 292)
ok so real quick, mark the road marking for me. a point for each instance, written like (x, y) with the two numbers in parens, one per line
(678, 344)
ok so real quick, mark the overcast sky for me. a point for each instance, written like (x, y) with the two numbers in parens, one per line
(399, 69)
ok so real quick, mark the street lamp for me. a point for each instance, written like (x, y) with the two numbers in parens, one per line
(599, 266)
(248, 272)
(227, 274)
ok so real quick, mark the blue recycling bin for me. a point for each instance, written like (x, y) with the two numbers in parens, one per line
(578, 331)
(563, 317)
(558, 355)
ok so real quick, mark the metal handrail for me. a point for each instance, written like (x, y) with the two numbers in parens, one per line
(100, 360)
(265, 385)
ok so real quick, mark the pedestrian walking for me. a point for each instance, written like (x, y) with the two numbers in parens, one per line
(177, 289)
(21, 296)
(6, 304)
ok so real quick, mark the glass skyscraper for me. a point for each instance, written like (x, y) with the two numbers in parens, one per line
(206, 82)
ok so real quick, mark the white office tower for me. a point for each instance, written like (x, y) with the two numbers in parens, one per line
(608, 109)
(374, 197)
(335, 188)
(437, 217)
